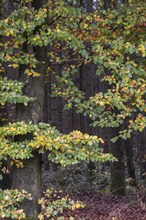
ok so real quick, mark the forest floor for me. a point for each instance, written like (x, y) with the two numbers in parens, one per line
(94, 193)
(109, 207)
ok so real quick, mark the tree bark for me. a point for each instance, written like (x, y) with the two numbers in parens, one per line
(29, 179)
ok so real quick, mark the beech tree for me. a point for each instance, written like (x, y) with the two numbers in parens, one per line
(60, 40)
(26, 36)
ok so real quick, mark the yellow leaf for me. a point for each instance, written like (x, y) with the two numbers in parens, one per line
(111, 16)
(85, 25)
(101, 140)
(101, 103)
(11, 31)
(8, 57)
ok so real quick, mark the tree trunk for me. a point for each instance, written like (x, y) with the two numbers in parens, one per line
(129, 159)
(117, 168)
(142, 155)
(29, 177)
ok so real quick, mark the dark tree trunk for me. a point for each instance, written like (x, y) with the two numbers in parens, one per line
(142, 155)
(117, 168)
(129, 159)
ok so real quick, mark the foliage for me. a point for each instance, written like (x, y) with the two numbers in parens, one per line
(64, 149)
(9, 203)
(18, 30)
(118, 49)
(53, 205)
(114, 40)
(53, 29)
(11, 92)
(109, 39)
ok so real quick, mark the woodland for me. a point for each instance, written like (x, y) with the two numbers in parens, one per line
(73, 109)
